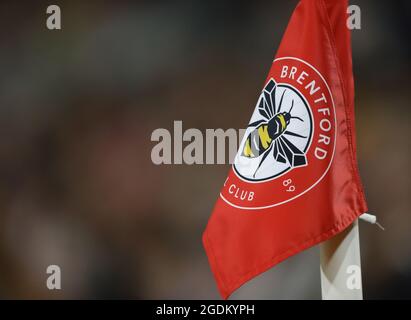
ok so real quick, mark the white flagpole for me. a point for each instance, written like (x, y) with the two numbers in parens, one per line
(340, 265)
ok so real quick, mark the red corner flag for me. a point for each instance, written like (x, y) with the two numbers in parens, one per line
(295, 181)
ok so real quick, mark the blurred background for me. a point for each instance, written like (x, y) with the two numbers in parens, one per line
(77, 109)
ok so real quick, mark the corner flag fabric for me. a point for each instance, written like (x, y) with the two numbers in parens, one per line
(294, 182)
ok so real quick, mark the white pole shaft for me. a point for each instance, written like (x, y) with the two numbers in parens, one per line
(340, 265)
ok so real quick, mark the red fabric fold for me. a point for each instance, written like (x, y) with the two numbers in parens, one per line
(295, 180)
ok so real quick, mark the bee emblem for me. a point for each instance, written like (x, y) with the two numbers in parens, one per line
(290, 141)
(268, 135)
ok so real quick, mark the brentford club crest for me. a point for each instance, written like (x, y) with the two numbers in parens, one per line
(289, 143)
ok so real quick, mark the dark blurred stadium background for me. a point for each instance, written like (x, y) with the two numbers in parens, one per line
(77, 108)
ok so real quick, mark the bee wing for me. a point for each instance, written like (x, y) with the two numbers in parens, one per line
(262, 108)
(295, 156)
(278, 153)
(267, 102)
(281, 102)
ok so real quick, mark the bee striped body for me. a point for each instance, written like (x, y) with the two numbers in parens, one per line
(261, 138)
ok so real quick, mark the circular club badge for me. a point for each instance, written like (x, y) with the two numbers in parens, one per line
(289, 143)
